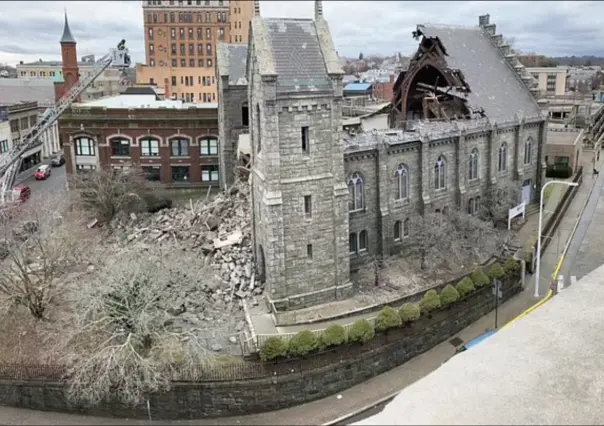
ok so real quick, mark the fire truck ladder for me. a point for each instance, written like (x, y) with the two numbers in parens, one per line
(11, 160)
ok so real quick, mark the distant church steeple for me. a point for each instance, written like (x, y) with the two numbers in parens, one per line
(67, 38)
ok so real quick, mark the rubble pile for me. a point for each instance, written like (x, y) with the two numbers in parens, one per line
(218, 230)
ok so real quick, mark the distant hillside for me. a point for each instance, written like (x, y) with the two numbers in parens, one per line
(574, 61)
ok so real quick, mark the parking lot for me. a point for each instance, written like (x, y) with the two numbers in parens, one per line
(55, 184)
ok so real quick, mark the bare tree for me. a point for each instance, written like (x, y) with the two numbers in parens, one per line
(41, 245)
(124, 345)
(498, 200)
(106, 192)
(455, 237)
(427, 233)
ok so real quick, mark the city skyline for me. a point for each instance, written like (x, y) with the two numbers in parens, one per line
(560, 32)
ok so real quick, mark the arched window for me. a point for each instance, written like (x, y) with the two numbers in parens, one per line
(473, 164)
(502, 163)
(471, 206)
(528, 151)
(401, 177)
(477, 205)
(258, 126)
(84, 146)
(179, 147)
(120, 147)
(398, 230)
(406, 228)
(439, 173)
(149, 147)
(356, 199)
(208, 146)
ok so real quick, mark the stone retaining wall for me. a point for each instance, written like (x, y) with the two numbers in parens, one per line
(284, 384)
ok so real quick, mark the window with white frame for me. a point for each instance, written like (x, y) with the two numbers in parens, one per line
(209, 173)
(502, 160)
(149, 147)
(528, 151)
(356, 198)
(401, 177)
(473, 166)
(208, 146)
(439, 173)
(357, 242)
(120, 147)
(85, 147)
(179, 147)
(3, 146)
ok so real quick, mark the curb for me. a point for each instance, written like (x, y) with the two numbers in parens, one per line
(550, 294)
(362, 409)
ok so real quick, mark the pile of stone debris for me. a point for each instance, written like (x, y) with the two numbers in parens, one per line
(218, 229)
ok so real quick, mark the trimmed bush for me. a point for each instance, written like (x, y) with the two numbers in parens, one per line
(430, 301)
(479, 278)
(510, 266)
(448, 296)
(361, 331)
(496, 272)
(273, 348)
(302, 343)
(333, 335)
(387, 318)
(465, 286)
(409, 312)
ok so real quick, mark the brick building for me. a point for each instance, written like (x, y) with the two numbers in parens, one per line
(175, 143)
(462, 128)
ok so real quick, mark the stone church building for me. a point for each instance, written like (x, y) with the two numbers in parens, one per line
(464, 122)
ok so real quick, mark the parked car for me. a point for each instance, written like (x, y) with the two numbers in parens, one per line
(43, 172)
(21, 193)
(57, 160)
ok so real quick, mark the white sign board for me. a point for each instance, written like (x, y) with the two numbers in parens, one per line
(514, 212)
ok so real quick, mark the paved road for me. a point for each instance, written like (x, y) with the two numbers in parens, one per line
(586, 251)
(54, 185)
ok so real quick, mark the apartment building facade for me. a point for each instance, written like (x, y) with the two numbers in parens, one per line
(180, 44)
(552, 80)
(174, 143)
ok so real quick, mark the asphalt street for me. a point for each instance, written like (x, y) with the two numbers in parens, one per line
(585, 252)
(54, 185)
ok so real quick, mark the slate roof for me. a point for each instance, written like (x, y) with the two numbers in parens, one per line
(297, 55)
(233, 58)
(494, 84)
(13, 91)
(67, 37)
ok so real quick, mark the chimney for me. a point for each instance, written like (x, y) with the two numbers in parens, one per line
(318, 9)
(256, 7)
(484, 20)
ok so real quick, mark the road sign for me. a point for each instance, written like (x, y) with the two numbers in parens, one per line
(497, 288)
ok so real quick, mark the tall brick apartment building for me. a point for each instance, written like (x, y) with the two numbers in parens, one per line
(175, 143)
(464, 124)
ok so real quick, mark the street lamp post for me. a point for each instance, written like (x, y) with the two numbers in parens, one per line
(538, 269)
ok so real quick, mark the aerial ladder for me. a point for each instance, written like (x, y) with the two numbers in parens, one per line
(10, 161)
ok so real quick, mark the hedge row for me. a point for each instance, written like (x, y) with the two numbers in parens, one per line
(306, 342)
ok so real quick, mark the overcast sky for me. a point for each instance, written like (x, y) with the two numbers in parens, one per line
(31, 30)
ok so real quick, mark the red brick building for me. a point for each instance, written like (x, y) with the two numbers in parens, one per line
(175, 143)
(384, 91)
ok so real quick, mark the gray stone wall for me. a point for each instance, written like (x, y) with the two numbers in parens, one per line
(230, 125)
(378, 167)
(290, 383)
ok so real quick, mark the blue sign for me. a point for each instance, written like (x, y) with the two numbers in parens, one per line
(3, 114)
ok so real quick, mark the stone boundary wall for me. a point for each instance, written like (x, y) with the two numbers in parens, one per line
(255, 387)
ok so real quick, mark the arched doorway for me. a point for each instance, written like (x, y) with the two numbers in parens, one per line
(260, 265)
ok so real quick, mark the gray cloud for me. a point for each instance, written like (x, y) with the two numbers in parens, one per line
(552, 28)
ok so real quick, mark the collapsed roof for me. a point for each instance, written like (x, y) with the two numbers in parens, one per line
(458, 73)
